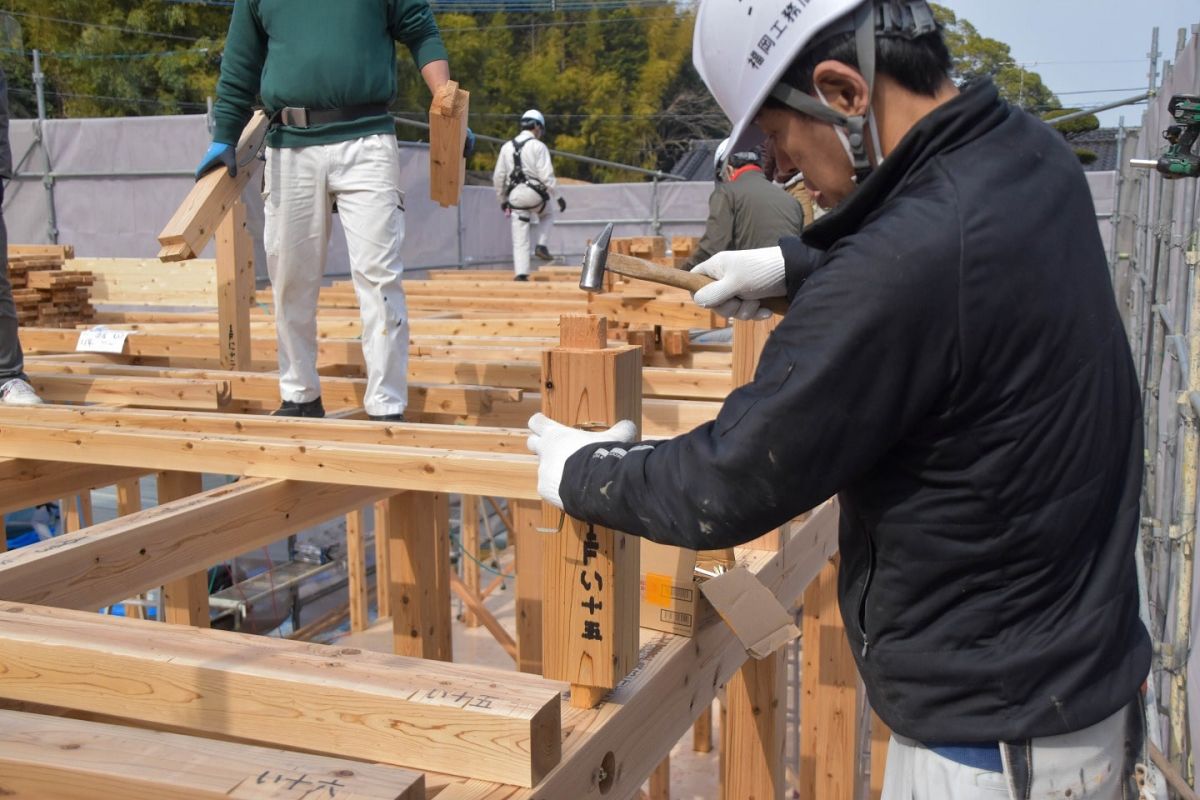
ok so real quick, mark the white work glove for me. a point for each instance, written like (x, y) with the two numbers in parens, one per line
(554, 443)
(740, 279)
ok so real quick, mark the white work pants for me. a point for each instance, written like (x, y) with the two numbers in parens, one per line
(301, 183)
(522, 221)
(1090, 764)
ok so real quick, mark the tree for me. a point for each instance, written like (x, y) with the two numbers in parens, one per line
(1073, 128)
(977, 56)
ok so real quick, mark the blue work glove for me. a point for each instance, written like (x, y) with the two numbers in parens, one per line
(469, 144)
(218, 153)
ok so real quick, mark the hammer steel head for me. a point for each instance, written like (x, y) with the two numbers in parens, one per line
(591, 278)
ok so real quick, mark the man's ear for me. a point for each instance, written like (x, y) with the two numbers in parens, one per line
(843, 87)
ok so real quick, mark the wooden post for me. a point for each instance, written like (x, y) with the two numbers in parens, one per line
(447, 138)
(469, 539)
(356, 561)
(753, 727)
(185, 601)
(591, 589)
(829, 697)
(881, 735)
(129, 501)
(77, 512)
(235, 288)
(756, 730)
(383, 574)
(527, 516)
(748, 341)
(660, 781)
(702, 732)
(416, 525)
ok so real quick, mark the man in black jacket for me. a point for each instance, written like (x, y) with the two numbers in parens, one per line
(954, 368)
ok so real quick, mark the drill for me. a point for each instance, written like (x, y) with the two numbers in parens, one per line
(1179, 161)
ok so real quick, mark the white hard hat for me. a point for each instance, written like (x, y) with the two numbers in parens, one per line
(535, 115)
(719, 156)
(742, 53)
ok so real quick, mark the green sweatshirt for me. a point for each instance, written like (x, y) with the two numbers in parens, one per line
(318, 54)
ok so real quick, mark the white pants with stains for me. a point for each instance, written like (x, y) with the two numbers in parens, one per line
(1091, 763)
(523, 220)
(300, 187)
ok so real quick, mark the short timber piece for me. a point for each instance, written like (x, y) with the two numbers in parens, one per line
(590, 591)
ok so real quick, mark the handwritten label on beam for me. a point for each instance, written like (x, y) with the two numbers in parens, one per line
(101, 340)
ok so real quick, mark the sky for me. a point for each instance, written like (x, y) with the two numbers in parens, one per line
(1085, 45)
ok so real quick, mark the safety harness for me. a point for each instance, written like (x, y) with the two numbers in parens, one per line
(517, 177)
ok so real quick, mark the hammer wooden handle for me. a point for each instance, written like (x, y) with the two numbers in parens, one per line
(633, 267)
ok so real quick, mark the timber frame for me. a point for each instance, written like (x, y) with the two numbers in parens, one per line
(188, 395)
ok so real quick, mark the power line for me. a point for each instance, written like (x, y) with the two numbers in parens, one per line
(144, 101)
(82, 24)
(110, 56)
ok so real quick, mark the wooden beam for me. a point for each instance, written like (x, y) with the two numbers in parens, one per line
(591, 588)
(453, 437)
(677, 677)
(51, 757)
(26, 482)
(196, 220)
(447, 140)
(386, 467)
(235, 287)
(124, 391)
(416, 526)
(109, 562)
(527, 518)
(479, 722)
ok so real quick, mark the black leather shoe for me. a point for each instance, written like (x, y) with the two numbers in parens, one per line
(311, 409)
(386, 417)
(543, 253)
(521, 278)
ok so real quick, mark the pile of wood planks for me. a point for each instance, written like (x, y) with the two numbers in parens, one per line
(655, 248)
(45, 294)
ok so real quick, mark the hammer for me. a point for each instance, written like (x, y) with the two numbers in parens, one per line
(598, 260)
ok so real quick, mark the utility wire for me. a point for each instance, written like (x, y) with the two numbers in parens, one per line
(122, 29)
(110, 56)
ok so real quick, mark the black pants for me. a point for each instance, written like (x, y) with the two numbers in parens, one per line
(12, 363)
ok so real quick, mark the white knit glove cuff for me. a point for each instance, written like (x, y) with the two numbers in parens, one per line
(740, 279)
(554, 443)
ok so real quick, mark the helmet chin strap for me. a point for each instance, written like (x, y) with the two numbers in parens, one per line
(850, 130)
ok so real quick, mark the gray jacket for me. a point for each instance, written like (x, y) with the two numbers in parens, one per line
(745, 214)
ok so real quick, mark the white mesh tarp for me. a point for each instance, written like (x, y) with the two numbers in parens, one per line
(117, 182)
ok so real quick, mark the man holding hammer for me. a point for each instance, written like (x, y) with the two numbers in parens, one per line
(956, 372)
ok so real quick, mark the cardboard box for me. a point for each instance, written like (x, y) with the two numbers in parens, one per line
(671, 601)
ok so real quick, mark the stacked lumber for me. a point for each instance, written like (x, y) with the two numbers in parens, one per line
(45, 294)
(654, 248)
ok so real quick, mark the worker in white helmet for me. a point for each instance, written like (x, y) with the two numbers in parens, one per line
(954, 368)
(524, 181)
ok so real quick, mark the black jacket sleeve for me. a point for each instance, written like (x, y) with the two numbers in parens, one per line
(867, 349)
